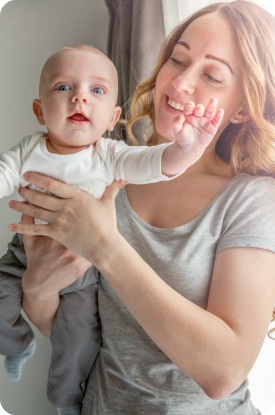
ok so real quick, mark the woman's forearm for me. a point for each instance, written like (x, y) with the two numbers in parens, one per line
(201, 344)
(41, 313)
(181, 329)
(51, 267)
(40, 307)
(174, 323)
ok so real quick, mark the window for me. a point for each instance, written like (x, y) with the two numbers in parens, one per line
(175, 11)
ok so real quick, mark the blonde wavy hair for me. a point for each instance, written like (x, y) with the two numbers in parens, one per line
(249, 147)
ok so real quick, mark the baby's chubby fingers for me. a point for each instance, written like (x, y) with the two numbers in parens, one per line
(188, 108)
(216, 121)
(199, 110)
(113, 189)
(178, 124)
(211, 108)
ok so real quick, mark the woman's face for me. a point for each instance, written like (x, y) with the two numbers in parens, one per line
(204, 63)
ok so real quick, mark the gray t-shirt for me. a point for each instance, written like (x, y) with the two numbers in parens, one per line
(132, 376)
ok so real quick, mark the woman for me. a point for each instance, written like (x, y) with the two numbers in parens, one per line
(187, 281)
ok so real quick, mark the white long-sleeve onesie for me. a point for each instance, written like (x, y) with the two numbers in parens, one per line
(91, 169)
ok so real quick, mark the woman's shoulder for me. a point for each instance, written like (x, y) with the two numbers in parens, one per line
(248, 178)
(247, 184)
(247, 205)
(245, 194)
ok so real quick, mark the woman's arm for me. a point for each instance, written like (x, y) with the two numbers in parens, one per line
(51, 267)
(216, 347)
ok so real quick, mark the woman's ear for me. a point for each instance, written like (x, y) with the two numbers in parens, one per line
(240, 116)
(37, 109)
(115, 118)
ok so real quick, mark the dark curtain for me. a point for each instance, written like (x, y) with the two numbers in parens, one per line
(136, 33)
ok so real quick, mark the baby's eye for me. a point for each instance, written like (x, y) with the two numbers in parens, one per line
(98, 90)
(63, 88)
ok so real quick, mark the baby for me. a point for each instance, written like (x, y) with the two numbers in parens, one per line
(77, 103)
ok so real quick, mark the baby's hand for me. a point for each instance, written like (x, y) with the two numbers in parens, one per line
(194, 129)
(197, 125)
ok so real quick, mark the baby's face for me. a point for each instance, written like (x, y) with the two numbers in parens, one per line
(78, 93)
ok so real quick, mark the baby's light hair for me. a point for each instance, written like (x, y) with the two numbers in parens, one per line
(83, 47)
(77, 47)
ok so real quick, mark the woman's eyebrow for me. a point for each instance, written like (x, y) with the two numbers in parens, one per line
(220, 60)
(181, 42)
(216, 58)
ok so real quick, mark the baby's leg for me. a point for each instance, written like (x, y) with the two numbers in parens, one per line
(76, 338)
(14, 364)
(16, 336)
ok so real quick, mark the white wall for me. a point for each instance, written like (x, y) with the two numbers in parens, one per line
(175, 11)
(30, 30)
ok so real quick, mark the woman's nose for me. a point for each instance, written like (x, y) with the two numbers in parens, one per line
(185, 82)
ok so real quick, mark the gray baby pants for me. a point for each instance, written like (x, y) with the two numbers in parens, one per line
(75, 334)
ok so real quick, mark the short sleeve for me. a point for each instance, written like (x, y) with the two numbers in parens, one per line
(250, 216)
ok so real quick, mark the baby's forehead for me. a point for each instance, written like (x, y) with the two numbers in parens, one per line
(65, 63)
(70, 55)
(89, 57)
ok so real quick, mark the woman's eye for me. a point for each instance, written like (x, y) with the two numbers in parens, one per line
(98, 90)
(177, 62)
(63, 88)
(212, 79)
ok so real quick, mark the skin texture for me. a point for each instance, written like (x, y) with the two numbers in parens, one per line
(223, 341)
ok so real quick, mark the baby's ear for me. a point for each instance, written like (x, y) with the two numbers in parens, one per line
(37, 109)
(115, 118)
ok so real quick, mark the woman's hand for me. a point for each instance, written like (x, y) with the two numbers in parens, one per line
(74, 218)
(51, 267)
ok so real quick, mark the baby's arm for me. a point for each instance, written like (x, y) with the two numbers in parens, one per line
(194, 129)
(10, 168)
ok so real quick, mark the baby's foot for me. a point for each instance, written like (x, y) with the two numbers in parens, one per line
(14, 364)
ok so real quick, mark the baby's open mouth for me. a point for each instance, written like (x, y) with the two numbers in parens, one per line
(78, 117)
